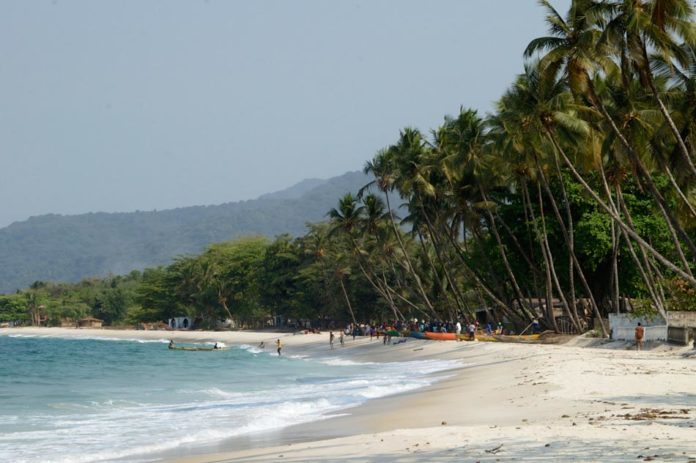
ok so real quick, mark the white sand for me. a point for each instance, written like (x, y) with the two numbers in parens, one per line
(510, 402)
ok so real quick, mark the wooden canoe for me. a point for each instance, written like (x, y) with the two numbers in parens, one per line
(196, 349)
(502, 337)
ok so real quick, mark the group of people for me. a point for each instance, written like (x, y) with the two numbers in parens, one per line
(385, 330)
(279, 346)
(332, 337)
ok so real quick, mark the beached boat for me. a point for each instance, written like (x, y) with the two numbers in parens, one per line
(418, 335)
(440, 336)
(515, 338)
(502, 337)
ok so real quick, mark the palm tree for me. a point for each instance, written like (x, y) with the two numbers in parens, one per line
(635, 25)
(385, 170)
(573, 49)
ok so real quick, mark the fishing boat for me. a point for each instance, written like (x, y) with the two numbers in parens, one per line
(440, 336)
(217, 346)
(517, 338)
(502, 338)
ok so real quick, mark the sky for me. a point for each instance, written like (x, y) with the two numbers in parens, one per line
(128, 105)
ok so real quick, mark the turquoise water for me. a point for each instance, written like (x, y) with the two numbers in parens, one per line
(85, 400)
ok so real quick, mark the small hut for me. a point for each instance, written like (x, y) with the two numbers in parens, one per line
(89, 322)
(68, 323)
(180, 323)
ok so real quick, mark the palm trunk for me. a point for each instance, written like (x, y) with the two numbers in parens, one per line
(437, 245)
(663, 109)
(389, 291)
(572, 312)
(406, 256)
(377, 286)
(662, 259)
(345, 295)
(679, 191)
(552, 267)
(571, 236)
(503, 255)
(643, 172)
(550, 317)
(644, 267)
(527, 207)
(479, 282)
(614, 268)
(502, 290)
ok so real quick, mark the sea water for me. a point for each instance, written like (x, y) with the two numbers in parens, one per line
(89, 400)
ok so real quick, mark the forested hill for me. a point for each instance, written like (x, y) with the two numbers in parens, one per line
(69, 248)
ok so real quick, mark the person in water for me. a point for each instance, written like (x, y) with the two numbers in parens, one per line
(331, 339)
(171, 343)
(262, 345)
(279, 346)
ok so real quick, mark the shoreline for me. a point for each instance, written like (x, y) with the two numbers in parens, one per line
(507, 402)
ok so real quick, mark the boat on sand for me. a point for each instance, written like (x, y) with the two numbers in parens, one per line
(440, 336)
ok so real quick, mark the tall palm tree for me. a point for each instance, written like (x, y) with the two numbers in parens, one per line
(385, 169)
(634, 26)
(573, 49)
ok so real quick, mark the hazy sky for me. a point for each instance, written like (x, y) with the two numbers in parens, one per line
(140, 105)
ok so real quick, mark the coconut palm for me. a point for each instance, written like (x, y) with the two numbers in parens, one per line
(633, 27)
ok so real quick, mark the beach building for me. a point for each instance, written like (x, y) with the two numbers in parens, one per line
(623, 327)
(90, 322)
(68, 323)
(180, 323)
(681, 326)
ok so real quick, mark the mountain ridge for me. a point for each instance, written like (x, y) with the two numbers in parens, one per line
(55, 247)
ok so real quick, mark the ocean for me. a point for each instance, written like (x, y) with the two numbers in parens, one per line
(102, 400)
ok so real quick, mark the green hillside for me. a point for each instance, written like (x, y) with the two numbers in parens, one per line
(69, 248)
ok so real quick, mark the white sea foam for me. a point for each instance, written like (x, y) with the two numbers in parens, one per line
(343, 362)
(251, 349)
(247, 393)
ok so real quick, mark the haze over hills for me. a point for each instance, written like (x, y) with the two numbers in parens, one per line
(69, 248)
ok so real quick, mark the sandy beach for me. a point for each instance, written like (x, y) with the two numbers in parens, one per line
(585, 400)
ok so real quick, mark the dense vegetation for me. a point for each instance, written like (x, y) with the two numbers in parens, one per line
(580, 187)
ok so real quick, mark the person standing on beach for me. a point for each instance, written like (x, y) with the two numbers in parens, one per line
(331, 339)
(279, 346)
(340, 338)
(640, 332)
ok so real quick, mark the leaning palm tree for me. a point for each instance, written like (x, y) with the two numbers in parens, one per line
(555, 114)
(634, 27)
(384, 168)
(578, 47)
